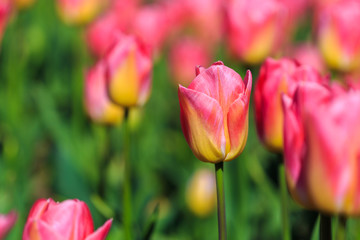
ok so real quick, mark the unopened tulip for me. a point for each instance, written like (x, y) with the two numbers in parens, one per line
(277, 77)
(201, 192)
(70, 219)
(255, 28)
(129, 69)
(6, 223)
(338, 34)
(79, 11)
(214, 113)
(97, 102)
(321, 136)
(185, 54)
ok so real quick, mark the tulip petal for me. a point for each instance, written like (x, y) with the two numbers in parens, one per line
(101, 233)
(6, 223)
(237, 120)
(40, 230)
(202, 123)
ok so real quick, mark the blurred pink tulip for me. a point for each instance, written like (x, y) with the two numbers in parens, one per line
(255, 28)
(70, 219)
(214, 113)
(277, 77)
(338, 34)
(308, 54)
(129, 69)
(6, 223)
(79, 11)
(97, 102)
(185, 54)
(321, 136)
(5, 11)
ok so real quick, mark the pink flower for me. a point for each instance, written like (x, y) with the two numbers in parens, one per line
(6, 223)
(214, 113)
(338, 34)
(185, 54)
(277, 77)
(321, 136)
(129, 68)
(308, 54)
(97, 102)
(255, 28)
(70, 219)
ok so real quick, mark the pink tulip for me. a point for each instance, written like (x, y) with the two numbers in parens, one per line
(6, 223)
(214, 113)
(79, 11)
(321, 135)
(255, 28)
(185, 54)
(309, 55)
(339, 35)
(129, 68)
(277, 77)
(70, 219)
(97, 102)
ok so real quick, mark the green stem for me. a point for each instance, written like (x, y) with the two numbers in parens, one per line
(219, 171)
(341, 228)
(127, 180)
(284, 204)
(325, 227)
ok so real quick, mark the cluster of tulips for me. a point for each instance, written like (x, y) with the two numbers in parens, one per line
(299, 110)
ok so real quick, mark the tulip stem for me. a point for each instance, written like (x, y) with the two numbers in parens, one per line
(219, 172)
(325, 227)
(341, 228)
(284, 204)
(127, 180)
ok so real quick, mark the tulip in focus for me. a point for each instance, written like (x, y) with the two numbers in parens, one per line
(70, 219)
(214, 113)
(321, 148)
(277, 77)
(79, 11)
(339, 35)
(255, 28)
(97, 103)
(185, 54)
(201, 193)
(129, 69)
(6, 223)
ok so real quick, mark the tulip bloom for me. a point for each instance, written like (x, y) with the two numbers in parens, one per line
(339, 35)
(97, 103)
(194, 53)
(129, 68)
(255, 28)
(70, 219)
(321, 136)
(277, 77)
(201, 192)
(6, 223)
(214, 113)
(79, 11)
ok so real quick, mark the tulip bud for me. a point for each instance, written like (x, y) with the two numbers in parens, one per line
(201, 193)
(321, 148)
(214, 113)
(338, 34)
(255, 28)
(70, 219)
(6, 223)
(277, 77)
(184, 55)
(78, 11)
(97, 103)
(129, 67)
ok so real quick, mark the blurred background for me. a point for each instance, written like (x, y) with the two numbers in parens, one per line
(49, 147)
